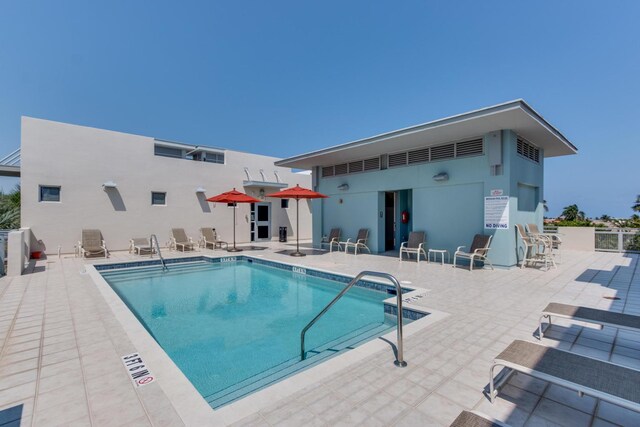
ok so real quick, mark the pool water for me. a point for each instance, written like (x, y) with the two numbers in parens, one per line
(224, 323)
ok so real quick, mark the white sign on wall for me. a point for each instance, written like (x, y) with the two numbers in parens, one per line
(496, 213)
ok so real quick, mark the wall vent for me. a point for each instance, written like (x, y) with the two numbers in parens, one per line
(397, 159)
(419, 156)
(327, 171)
(469, 148)
(528, 150)
(443, 152)
(356, 166)
(341, 169)
(372, 164)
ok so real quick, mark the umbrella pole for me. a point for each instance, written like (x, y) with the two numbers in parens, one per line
(234, 249)
(297, 252)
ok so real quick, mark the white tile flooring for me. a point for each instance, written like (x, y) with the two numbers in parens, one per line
(61, 346)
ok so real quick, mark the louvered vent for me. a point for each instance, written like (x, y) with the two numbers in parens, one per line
(372, 164)
(397, 159)
(355, 166)
(469, 148)
(442, 152)
(327, 171)
(528, 150)
(419, 156)
(341, 169)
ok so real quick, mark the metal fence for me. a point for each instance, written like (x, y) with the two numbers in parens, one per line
(618, 239)
(4, 238)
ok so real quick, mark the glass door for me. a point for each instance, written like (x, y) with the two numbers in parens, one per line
(260, 221)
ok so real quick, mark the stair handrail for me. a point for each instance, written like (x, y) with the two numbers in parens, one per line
(399, 354)
(152, 239)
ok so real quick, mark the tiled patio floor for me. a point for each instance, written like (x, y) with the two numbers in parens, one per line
(61, 346)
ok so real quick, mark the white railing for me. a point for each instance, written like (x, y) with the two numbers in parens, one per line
(617, 239)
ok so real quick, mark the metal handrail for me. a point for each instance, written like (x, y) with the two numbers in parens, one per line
(151, 240)
(399, 359)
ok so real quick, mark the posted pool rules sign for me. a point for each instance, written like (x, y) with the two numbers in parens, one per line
(496, 213)
(138, 371)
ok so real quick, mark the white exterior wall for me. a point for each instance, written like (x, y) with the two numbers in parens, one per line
(80, 159)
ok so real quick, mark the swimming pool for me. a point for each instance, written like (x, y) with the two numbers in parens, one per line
(234, 327)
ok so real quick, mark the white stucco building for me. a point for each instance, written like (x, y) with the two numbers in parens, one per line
(76, 177)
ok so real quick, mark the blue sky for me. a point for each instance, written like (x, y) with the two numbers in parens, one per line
(285, 77)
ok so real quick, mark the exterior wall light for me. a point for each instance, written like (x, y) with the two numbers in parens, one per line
(109, 184)
(200, 190)
(442, 176)
(343, 187)
(262, 193)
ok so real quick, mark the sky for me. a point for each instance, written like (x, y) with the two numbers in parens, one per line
(285, 77)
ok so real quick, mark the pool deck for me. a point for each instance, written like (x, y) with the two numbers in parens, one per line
(61, 348)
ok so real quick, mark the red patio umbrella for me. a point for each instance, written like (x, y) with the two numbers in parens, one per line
(297, 193)
(234, 197)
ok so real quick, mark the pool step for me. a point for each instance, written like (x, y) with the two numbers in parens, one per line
(295, 365)
(156, 272)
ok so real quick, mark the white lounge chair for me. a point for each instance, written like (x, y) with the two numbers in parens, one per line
(589, 315)
(415, 245)
(603, 380)
(92, 244)
(478, 251)
(179, 239)
(141, 246)
(209, 238)
(556, 240)
(359, 243)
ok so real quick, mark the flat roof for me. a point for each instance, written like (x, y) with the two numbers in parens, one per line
(516, 115)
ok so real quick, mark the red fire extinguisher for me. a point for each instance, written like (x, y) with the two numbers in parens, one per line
(405, 217)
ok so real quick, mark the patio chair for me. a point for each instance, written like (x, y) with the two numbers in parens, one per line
(179, 239)
(92, 244)
(603, 380)
(332, 239)
(141, 246)
(475, 419)
(359, 243)
(537, 247)
(415, 245)
(589, 315)
(555, 239)
(478, 251)
(209, 237)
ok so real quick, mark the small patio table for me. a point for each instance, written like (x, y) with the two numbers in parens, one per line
(435, 253)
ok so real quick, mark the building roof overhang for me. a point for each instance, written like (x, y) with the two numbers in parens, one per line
(515, 115)
(264, 184)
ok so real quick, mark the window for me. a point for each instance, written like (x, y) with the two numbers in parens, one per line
(284, 203)
(160, 150)
(158, 198)
(214, 158)
(49, 193)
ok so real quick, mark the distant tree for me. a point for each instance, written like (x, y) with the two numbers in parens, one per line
(636, 205)
(573, 213)
(605, 218)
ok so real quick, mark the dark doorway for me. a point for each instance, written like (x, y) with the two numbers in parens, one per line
(389, 221)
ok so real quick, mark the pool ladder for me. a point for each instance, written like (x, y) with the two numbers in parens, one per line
(399, 358)
(153, 239)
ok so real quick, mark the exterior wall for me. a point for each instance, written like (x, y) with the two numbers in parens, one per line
(80, 159)
(578, 238)
(450, 212)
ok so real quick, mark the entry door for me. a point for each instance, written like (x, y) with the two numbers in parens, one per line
(262, 227)
(389, 221)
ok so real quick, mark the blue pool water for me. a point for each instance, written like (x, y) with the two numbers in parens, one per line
(226, 323)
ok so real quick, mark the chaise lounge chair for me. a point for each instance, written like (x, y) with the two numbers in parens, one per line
(332, 239)
(478, 251)
(359, 243)
(474, 419)
(589, 315)
(603, 380)
(415, 245)
(92, 244)
(141, 246)
(179, 239)
(209, 238)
